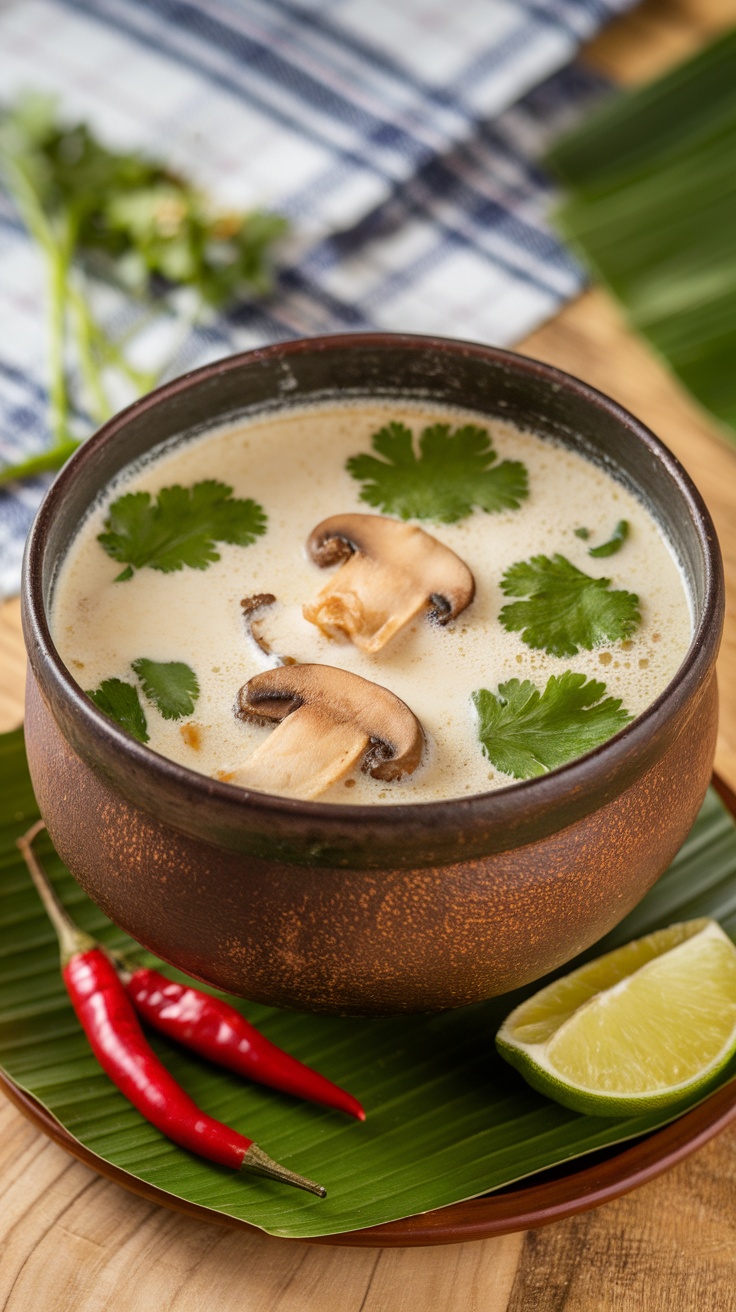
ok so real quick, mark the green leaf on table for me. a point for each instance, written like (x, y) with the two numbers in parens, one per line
(450, 474)
(614, 543)
(564, 609)
(180, 528)
(138, 225)
(172, 686)
(132, 212)
(169, 230)
(649, 207)
(447, 1118)
(525, 732)
(121, 702)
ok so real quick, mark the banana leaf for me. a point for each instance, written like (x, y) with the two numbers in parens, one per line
(447, 1119)
(650, 207)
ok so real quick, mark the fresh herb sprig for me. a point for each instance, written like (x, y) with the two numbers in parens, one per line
(526, 732)
(563, 609)
(449, 474)
(171, 686)
(179, 528)
(131, 221)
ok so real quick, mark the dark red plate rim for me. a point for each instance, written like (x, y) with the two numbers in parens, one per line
(574, 1187)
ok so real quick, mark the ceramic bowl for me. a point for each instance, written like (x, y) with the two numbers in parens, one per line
(372, 910)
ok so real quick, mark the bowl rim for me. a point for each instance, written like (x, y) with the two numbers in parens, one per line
(565, 791)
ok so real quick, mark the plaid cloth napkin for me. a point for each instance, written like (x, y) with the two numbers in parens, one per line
(400, 138)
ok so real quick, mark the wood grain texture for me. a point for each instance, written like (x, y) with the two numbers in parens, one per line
(12, 666)
(666, 1247)
(656, 35)
(73, 1242)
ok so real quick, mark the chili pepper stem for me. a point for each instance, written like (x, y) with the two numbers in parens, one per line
(71, 939)
(260, 1163)
(125, 969)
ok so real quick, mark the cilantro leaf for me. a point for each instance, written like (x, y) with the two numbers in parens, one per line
(453, 472)
(525, 732)
(172, 686)
(565, 609)
(614, 543)
(179, 528)
(121, 702)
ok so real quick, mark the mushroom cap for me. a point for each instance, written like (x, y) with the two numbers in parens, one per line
(442, 576)
(259, 601)
(395, 734)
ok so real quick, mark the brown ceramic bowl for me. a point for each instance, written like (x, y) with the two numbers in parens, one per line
(368, 909)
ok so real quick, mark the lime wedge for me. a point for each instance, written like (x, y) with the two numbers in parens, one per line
(647, 1025)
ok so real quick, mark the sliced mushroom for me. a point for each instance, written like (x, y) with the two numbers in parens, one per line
(390, 572)
(328, 721)
(252, 607)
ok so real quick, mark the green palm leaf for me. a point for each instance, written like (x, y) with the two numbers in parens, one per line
(447, 1119)
(651, 207)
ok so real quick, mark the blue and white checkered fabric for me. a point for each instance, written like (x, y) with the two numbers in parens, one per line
(400, 137)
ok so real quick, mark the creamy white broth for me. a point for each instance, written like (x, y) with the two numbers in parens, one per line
(293, 463)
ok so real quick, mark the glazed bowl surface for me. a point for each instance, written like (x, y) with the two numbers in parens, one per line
(358, 909)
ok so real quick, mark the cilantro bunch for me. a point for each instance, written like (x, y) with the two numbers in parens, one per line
(130, 221)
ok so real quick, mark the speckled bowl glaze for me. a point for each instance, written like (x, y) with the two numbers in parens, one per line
(372, 910)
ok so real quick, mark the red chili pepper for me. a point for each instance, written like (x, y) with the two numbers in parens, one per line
(107, 1017)
(217, 1031)
(116, 1038)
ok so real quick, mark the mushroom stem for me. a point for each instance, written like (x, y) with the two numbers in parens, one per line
(367, 602)
(303, 756)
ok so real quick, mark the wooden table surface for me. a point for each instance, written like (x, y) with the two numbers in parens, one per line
(73, 1242)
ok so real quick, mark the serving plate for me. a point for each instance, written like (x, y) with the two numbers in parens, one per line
(548, 1196)
(551, 1196)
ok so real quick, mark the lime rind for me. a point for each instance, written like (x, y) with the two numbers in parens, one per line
(591, 1103)
(649, 1025)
